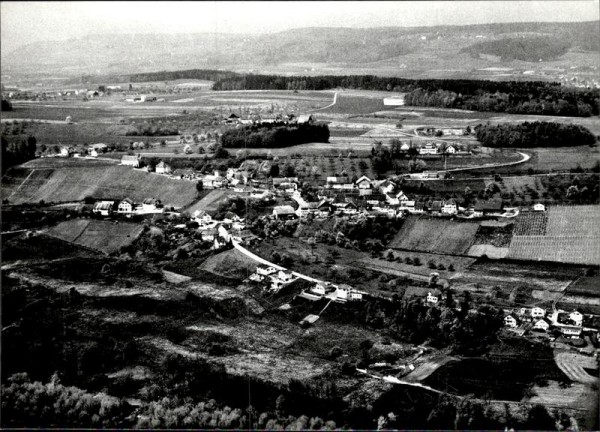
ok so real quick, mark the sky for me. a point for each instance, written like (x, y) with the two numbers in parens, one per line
(26, 22)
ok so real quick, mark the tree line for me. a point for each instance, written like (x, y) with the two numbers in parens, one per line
(17, 151)
(274, 137)
(519, 97)
(533, 134)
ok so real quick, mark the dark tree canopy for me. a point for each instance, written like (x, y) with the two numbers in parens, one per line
(533, 134)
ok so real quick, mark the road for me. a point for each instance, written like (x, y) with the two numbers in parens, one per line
(225, 234)
(330, 105)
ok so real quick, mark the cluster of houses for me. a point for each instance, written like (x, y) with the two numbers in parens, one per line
(230, 228)
(341, 293)
(127, 207)
(569, 324)
(271, 278)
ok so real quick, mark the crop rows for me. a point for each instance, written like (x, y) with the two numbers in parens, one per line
(531, 224)
(576, 250)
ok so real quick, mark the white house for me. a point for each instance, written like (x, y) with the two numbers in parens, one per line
(539, 207)
(323, 288)
(364, 183)
(64, 152)
(104, 208)
(576, 317)
(431, 298)
(202, 217)
(93, 153)
(404, 147)
(570, 331)
(266, 271)
(163, 168)
(150, 205)
(133, 161)
(541, 324)
(449, 207)
(510, 321)
(538, 312)
(345, 292)
(126, 206)
(450, 149)
(428, 149)
(387, 187)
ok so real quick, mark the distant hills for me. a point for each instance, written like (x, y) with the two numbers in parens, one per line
(406, 50)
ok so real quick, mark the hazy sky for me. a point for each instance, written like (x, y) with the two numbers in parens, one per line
(25, 22)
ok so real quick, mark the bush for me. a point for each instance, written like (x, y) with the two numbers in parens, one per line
(417, 261)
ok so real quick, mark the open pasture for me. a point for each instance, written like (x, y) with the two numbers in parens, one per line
(443, 236)
(210, 201)
(71, 183)
(346, 104)
(104, 236)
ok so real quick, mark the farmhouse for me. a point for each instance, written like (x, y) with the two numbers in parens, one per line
(202, 217)
(65, 152)
(307, 208)
(450, 150)
(542, 324)
(306, 119)
(510, 321)
(325, 208)
(265, 271)
(323, 288)
(538, 312)
(133, 161)
(428, 148)
(232, 119)
(163, 168)
(576, 317)
(103, 208)
(126, 206)
(570, 331)
(364, 183)
(284, 212)
(449, 207)
(345, 293)
(489, 206)
(151, 205)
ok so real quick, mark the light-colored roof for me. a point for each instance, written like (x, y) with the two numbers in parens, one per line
(284, 209)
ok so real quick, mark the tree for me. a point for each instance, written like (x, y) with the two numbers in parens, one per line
(199, 186)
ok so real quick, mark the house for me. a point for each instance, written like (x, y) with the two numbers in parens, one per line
(510, 321)
(570, 331)
(103, 208)
(432, 298)
(306, 119)
(449, 207)
(538, 312)
(133, 161)
(576, 317)
(539, 207)
(265, 271)
(387, 187)
(244, 237)
(100, 147)
(65, 152)
(307, 208)
(325, 208)
(489, 206)
(542, 325)
(364, 183)
(93, 153)
(126, 206)
(450, 149)
(202, 217)
(418, 208)
(232, 119)
(404, 147)
(436, 206)
(323, 288)
(151, 205)
(428, 148)
(210, 234)
(284, 212)
(346, 293)
(163, 168)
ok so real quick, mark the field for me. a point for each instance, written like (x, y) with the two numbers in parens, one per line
(443, 236)
(41, 247)
(585, 286)
(55, 180)
(355, 105)
(104, 236)
(210, 201)
(398, 268)
(569, 235)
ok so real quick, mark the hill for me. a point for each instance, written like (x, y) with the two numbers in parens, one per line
(53, 181)
(406, 51)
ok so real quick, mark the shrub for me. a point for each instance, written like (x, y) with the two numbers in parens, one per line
(417, 261)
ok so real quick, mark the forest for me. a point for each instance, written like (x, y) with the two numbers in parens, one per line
(274, 136)
(526, 49)
(530, 97)
(533, 134)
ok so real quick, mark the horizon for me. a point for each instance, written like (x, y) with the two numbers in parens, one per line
(24, 23)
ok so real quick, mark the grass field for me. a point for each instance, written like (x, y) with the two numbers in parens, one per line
(585, 286)
(346, 104)
(571, 234)
(443, 236)
(231, 264)
(104, 236)
(53, 180)
(41, 247)
(210, 201)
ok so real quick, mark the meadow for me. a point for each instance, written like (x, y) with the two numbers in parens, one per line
(65, 181)
(103, 236)
(428, 234)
